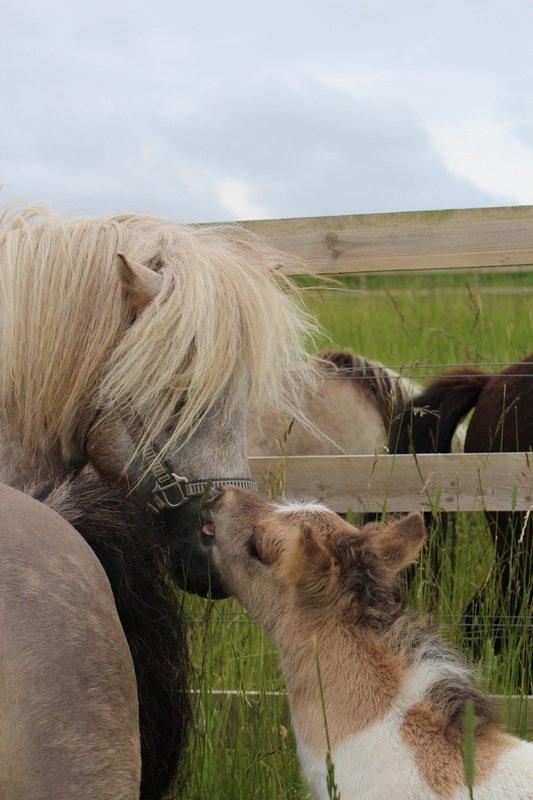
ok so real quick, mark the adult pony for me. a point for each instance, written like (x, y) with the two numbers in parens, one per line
(350, 411)
(133, 344)
(501, 422)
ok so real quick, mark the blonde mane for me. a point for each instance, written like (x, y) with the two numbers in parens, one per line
(70, 345)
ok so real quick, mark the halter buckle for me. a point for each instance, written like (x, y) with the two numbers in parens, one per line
(168, 493)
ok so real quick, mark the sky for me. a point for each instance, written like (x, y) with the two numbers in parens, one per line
(204, 111)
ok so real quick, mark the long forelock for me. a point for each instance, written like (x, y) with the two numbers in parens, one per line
(226, 320)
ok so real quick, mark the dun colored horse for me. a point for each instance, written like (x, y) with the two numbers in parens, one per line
(69, 723)
(349, 412)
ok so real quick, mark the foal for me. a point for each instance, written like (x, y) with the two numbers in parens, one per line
(393, 695)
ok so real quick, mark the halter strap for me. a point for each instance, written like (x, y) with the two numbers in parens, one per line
(177, 490)
(170, 491)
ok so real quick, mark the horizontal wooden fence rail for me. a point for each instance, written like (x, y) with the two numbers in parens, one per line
(460, 239)
(451, 482)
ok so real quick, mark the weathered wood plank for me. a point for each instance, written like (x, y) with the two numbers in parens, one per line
(451, 482)
(428, 240)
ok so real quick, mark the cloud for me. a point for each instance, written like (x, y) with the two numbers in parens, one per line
(236, 197)
(204, 111)
(490, 155)
(276, 150)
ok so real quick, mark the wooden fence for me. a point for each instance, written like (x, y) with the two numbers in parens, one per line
(471, 239)
(456, 240)
(450, 482)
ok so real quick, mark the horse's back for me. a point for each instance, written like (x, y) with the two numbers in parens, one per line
(502, 419)
(349, 421)
(68, 700)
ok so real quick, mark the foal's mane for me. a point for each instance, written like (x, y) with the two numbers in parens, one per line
(384, 387)
(418, 643)
(122, 536)
(226, 317)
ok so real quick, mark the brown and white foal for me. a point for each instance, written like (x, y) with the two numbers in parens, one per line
(394, 695)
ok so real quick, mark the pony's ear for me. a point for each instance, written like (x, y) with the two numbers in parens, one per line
(399, 543)
(140, 284)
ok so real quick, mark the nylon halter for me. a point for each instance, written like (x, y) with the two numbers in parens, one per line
(170, 490)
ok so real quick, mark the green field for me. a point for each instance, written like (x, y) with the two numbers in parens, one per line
(242, 747)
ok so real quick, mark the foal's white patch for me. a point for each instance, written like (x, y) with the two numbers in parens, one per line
(376, 764)
(294, 507)
(512, 778)
(421, 677)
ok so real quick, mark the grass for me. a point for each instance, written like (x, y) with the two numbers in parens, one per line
(242, 746)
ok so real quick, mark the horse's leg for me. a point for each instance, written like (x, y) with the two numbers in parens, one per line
(513, 541)
(510, 601)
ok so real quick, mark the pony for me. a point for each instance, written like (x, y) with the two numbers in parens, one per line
(68, 693)
(501, 422)
(350, 411)
(377, 700)
(130, 346)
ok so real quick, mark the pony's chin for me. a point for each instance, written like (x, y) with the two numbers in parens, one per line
(203, 582)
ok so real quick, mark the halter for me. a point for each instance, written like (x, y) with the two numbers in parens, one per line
(170, 491)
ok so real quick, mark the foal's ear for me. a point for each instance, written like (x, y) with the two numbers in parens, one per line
(262, 547)
(140, 284)
(400, 542)
(306, 559)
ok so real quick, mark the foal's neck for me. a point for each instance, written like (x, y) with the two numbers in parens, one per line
(335, 675)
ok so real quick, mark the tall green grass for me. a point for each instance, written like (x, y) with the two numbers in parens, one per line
(242, 747)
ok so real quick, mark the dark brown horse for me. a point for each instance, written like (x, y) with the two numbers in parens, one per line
(502, 421)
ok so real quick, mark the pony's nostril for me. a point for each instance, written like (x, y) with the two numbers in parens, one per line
(208, 528)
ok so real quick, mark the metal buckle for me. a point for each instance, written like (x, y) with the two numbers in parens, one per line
(170, 494)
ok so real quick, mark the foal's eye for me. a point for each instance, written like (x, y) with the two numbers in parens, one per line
(251, 544)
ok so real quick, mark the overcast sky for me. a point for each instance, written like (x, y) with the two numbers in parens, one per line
(233, 110)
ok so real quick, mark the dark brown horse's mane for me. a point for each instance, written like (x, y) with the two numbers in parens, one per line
(122, 535)
(372, 378)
